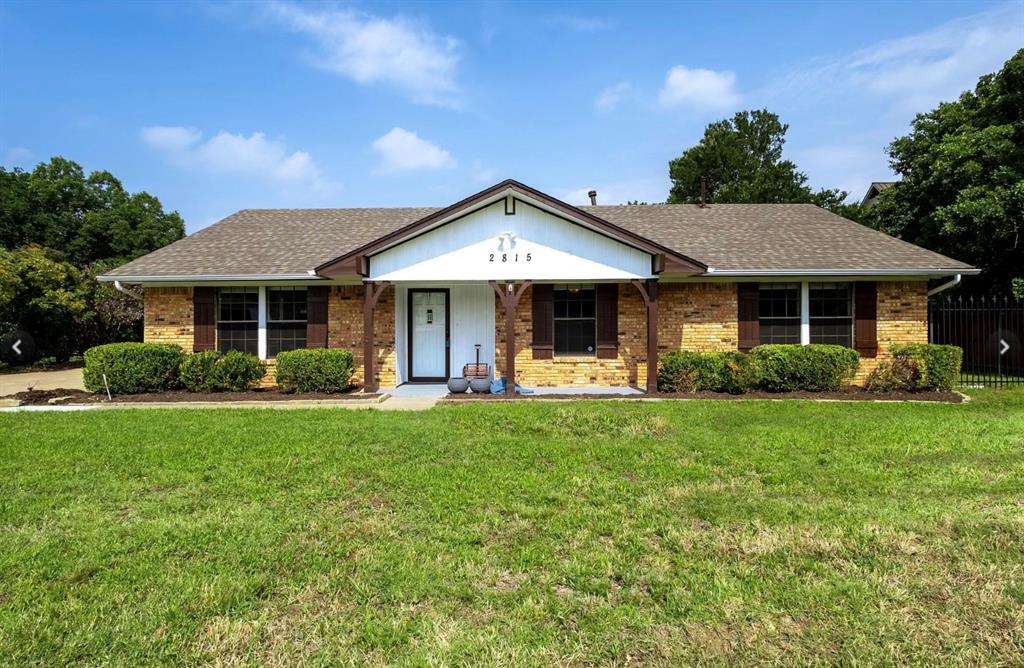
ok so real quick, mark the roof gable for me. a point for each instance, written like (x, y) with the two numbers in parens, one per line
(512, 192)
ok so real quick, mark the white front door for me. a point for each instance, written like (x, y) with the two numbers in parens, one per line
(428, 334)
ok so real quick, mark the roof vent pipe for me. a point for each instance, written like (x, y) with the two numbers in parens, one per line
(703, 192)
(593, 197)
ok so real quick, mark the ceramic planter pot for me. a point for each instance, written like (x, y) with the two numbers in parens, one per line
(457, 385)
(480, 385)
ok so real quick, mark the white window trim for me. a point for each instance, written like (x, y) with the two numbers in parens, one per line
(261, 324)
(805, 313)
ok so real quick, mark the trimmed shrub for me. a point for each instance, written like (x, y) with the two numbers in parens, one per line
(941, 363)
(899, 375)
(132, 368)
(687, 371)
(211, 371)
(237, 371)
(314, 370)
(197, 371)
(812, 368)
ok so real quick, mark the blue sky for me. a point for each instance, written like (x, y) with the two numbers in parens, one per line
(217, 107)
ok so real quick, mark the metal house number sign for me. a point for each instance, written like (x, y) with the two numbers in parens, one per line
(506, 250)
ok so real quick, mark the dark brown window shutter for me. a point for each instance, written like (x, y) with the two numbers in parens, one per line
(543, 321)
(316, 316)
(747, 299)
(204, 319)
(865, 310)
(607, 296)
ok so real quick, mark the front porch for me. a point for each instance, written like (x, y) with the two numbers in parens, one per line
(439, 328)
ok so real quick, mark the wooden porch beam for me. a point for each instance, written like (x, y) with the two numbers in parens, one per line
(509, 296)
(649, 292)
(371, 296)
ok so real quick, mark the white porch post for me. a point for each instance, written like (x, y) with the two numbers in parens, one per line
(805, 313)
(261, 324)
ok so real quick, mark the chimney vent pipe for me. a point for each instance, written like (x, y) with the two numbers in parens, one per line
(593, 197)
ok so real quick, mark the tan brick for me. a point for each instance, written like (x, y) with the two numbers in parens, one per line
(168, 316)
(345, 330)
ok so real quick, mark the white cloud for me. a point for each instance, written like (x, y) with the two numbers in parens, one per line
(18, 156)
(403, 151)
(703, 90)
(369, 49)
(611, 96)
(916, 72)
(232, 154)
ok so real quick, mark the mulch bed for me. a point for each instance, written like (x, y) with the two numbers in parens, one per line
(847, 394)
(42, 397)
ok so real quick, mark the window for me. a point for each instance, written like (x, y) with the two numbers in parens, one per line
(831, 308)
(779, 312)
(286, 319)
(237, 328)
(575, 324)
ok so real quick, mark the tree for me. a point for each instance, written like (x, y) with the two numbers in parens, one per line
(962, 187)
(741, 158)
(89, 219)
(44, 296)
(61, 229)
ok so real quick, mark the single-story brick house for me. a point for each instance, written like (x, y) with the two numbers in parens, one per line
(553, 294)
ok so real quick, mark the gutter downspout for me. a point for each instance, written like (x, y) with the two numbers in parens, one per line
(120, 288)
(945, 286)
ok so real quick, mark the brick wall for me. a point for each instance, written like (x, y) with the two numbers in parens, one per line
(168, 316)
(692, 316)
(902, 317)
(345, 330)
(629, 368)
(697, 316)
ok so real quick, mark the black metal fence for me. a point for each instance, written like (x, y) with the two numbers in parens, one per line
(991, 332)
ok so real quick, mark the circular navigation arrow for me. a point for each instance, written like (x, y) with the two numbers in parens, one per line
(18, 347)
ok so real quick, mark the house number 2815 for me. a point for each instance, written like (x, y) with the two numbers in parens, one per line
(511, 257)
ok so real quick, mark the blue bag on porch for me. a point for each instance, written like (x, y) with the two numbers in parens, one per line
(498, 387)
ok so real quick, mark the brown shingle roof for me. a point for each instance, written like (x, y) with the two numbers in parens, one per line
(727, 237)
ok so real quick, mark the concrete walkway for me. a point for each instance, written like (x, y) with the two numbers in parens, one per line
(68, 379)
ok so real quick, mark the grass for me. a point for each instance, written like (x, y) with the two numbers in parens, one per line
(517, 534)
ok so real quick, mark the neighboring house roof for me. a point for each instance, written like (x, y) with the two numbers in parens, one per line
(744, 238)
(873, 190)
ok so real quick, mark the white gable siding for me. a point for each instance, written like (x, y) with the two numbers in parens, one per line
(546, 248)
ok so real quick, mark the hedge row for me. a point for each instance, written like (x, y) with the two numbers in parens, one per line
(134, 368)
(918, 367)
(812, 368)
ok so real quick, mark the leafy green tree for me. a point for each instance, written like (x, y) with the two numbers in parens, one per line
(46, 297)
(741, 158)
(962, 187)
(61, 229)
(88, 218)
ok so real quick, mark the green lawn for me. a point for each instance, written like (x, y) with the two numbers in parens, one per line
(517, 534)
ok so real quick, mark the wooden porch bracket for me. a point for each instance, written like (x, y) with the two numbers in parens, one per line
(372, 294)
(649, 291)
(509, 296)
